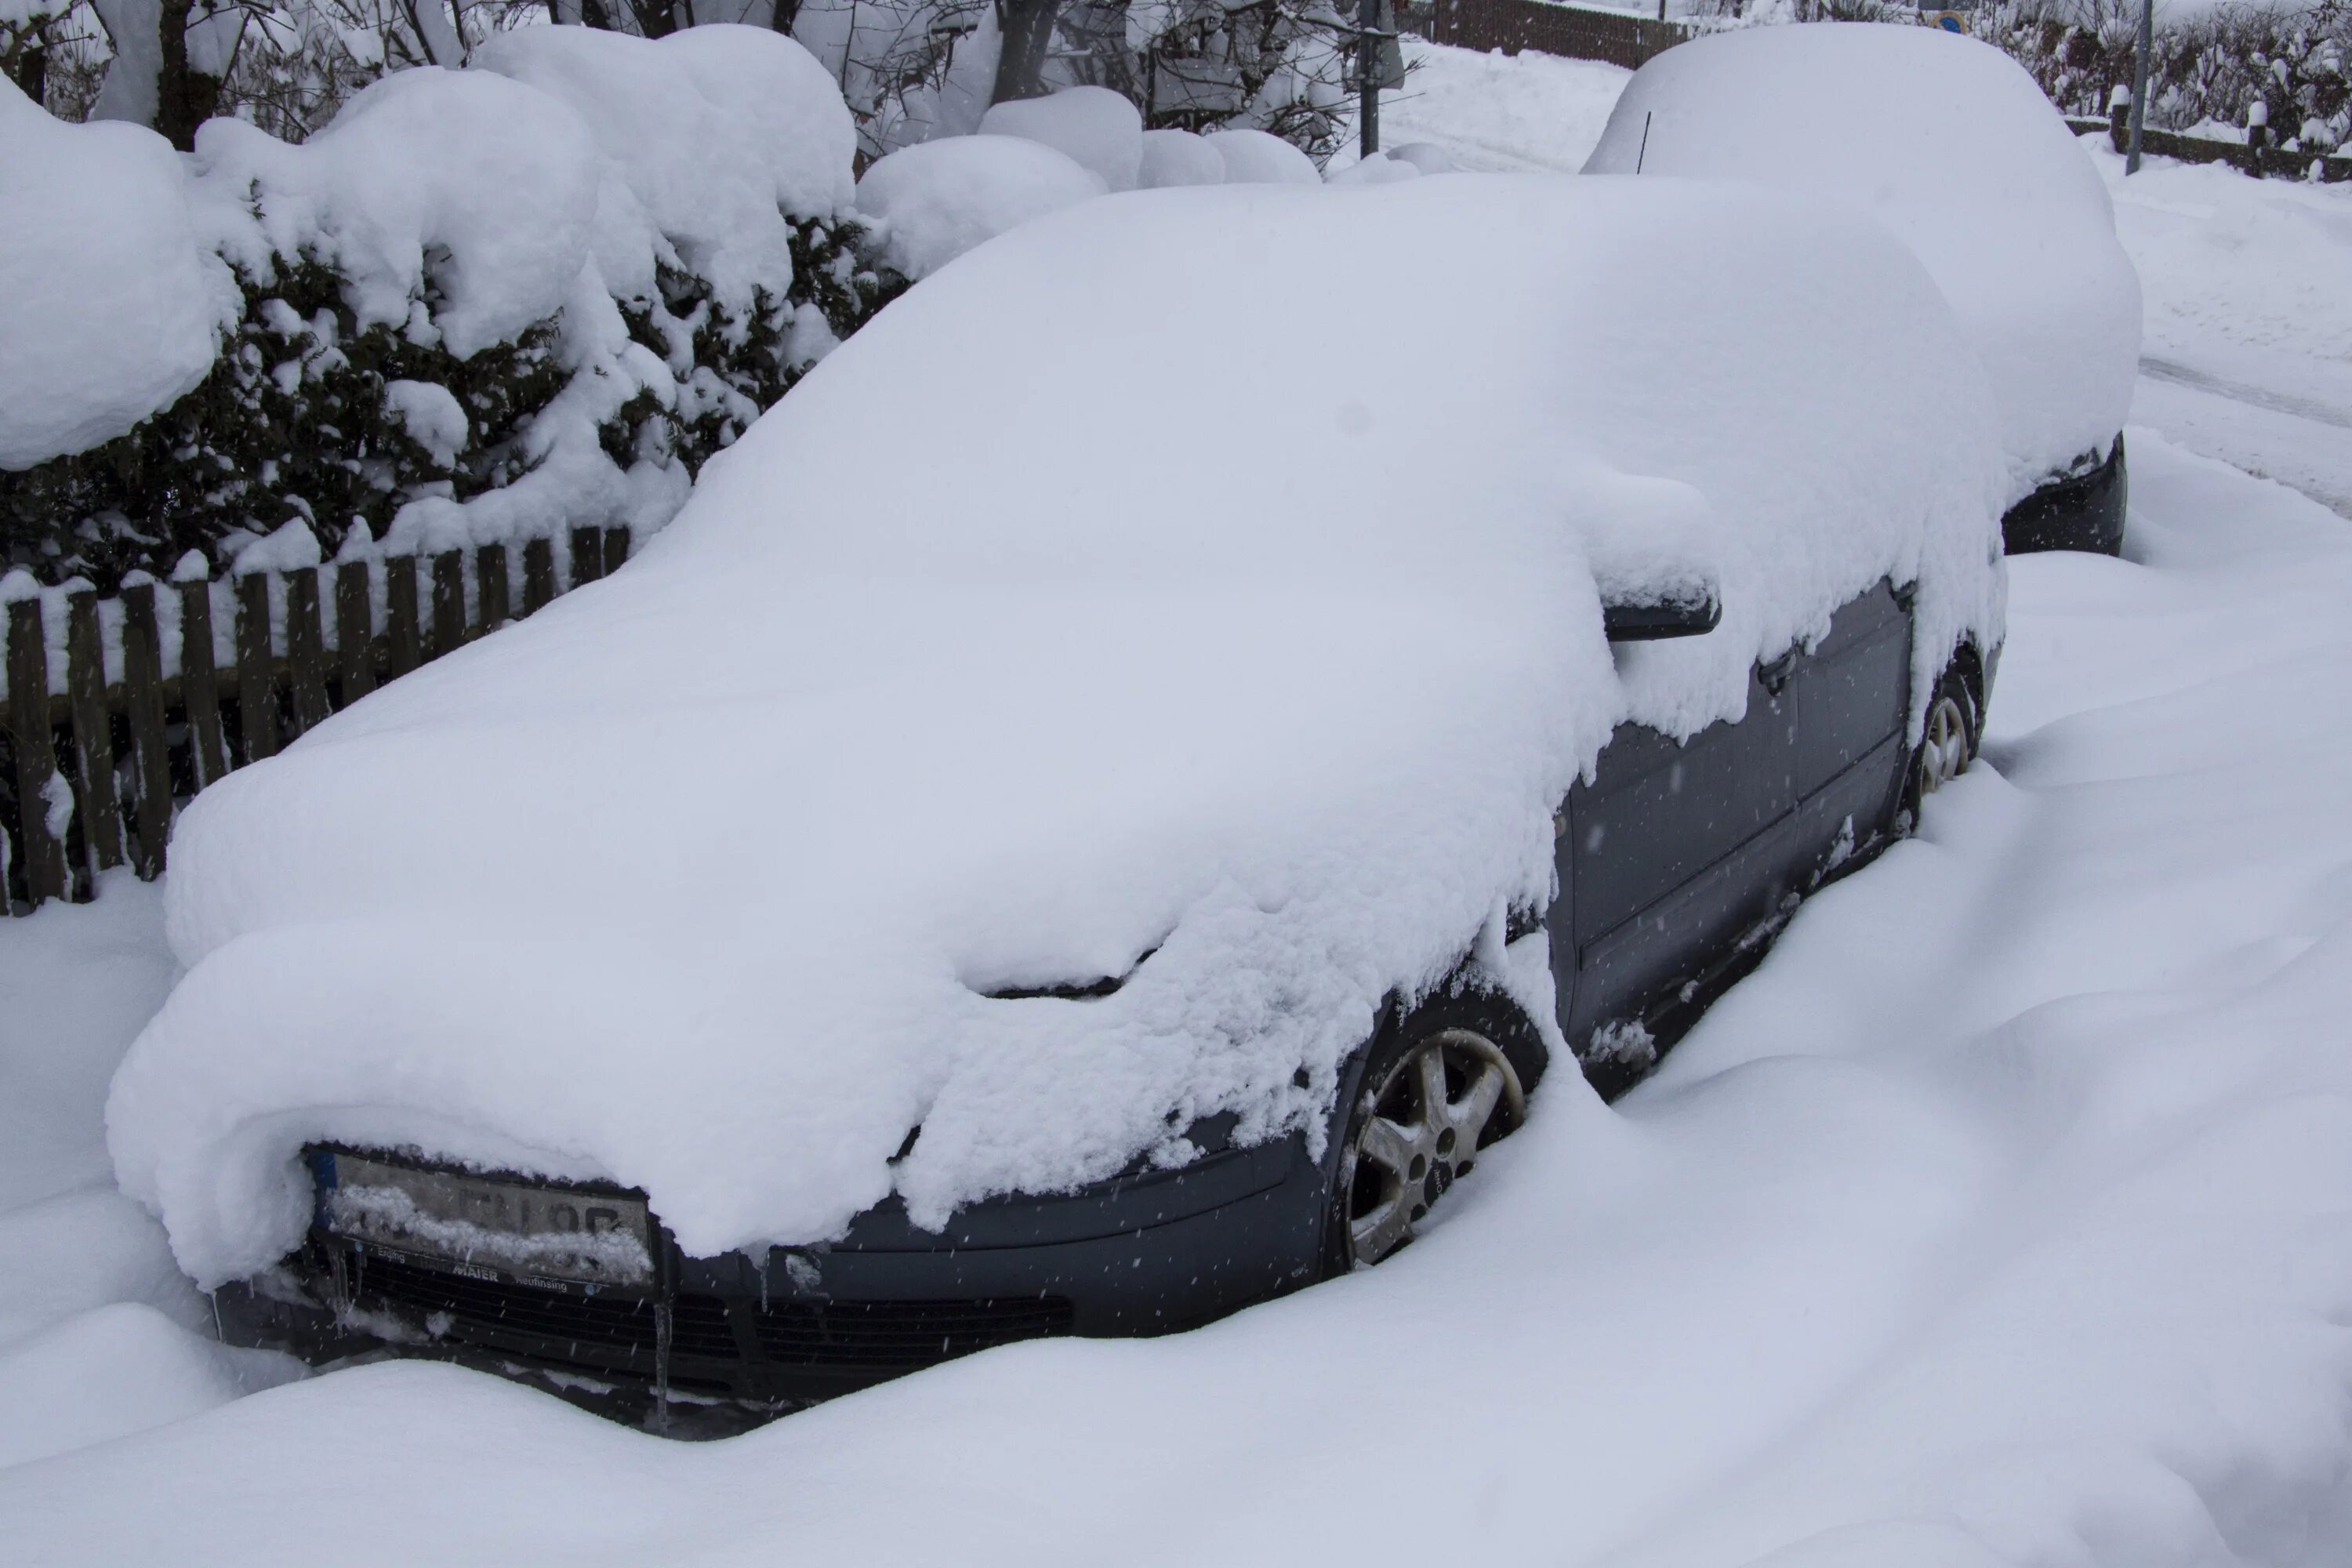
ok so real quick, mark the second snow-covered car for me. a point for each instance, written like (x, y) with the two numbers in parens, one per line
(1103, 803)
(1950, 144)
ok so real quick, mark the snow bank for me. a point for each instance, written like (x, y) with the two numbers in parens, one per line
(116, 1370)
(1380, 169)
(936, 200)
(715, 132)
(907, 728)
(109, 308)
(1179, 158)
(1950, 143)
(1096, 128)
(1262, 158)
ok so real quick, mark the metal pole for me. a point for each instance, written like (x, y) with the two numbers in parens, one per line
(2139, 81)
(1367, 76)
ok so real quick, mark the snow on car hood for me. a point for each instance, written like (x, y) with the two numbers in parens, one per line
(1206, 573)
(1951, 145)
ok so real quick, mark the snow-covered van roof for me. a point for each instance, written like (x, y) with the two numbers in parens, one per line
(1950, 143)
(1179, 575)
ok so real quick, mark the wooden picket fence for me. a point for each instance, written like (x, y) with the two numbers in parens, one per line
(100, 766)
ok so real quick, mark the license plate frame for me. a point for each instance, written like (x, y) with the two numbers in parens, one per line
(486, 1223)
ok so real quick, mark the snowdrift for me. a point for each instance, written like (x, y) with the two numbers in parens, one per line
(1066, 624)
(1950, 143)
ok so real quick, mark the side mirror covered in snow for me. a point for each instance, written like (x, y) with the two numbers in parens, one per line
(1687, 609)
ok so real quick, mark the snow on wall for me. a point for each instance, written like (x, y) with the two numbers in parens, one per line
(932, 202)
(1179, 158)
(109, 308)
(1277, 679)
(1259, 157)
(1095, 127)
(1950, 143)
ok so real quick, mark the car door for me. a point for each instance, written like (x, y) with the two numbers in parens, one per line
(1666, 856)
(1852, 696)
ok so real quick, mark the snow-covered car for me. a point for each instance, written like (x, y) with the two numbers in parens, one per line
(1950, 144)
(1102, 804)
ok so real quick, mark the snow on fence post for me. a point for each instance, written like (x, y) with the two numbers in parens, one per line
(93, 733)
(29, 731)
(142, 701)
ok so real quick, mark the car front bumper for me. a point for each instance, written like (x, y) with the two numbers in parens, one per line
(1142, 1254)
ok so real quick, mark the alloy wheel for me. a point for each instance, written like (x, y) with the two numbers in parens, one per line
(1420, 1129)
(1944, 748)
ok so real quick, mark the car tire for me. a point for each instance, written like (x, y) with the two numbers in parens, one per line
(1395, 1158)
(1947, 742)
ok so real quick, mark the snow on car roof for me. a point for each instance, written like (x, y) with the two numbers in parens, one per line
(1948, 143)
(1183, 575)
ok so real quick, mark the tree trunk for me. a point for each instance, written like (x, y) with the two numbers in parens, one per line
(185, 96)
(655, 19)
(1027, 28)
(30, 72)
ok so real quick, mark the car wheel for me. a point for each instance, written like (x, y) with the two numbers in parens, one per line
(1441, 1086)
(1948, 742)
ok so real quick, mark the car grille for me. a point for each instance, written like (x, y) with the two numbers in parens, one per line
(901, 1333)
(625, 1324)
(559, 1325)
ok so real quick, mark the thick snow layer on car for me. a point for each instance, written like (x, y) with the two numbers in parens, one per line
(1951, 145)
(1997, 1219)
(1096, 128)
(716, 132)
(1257, 690)
(109, 309)
(475, 184)
(936, 200)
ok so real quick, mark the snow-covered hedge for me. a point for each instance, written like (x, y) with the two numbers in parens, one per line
(2213, 63)
(481, 304)
(2210, 67)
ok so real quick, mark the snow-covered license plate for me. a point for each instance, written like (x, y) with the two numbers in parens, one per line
(479, 1225)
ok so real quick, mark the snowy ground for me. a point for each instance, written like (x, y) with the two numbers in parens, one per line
(2004, 1217)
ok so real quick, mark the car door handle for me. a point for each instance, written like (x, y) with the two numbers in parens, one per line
(1774, 675)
